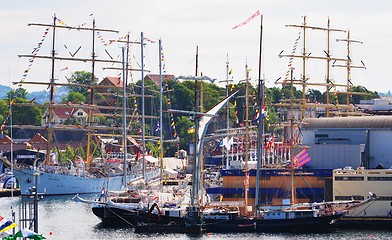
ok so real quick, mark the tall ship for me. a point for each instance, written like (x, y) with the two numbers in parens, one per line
(91, 174)
(313, 181)
(241, 214)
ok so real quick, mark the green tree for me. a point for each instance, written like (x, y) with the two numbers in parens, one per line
(74, 97)
(365, 94)
(314, 95)
(152, 148)
(183, 125)
(212, 94)
(68, 154)
(26, 115)
(81, 77)
(80, 152)
(18, 93)
(3, 109)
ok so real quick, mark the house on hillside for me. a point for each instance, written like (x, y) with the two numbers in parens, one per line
(156, 78)
(110, 85)
(68, 116)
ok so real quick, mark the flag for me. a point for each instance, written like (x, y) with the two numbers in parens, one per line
(26, 233)
(102, 194)
(158, 128)
(301, 159)
(6, 224)
(248, 20)
(223, 142)
(66, 68)
(191, 130)
(229, 143)
(263, 112)
(256, 116)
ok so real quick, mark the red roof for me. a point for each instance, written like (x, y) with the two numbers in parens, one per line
(5, 145)
(5, 140)
(63, 112)
(156, 78)
(38, 138)
(115, 81)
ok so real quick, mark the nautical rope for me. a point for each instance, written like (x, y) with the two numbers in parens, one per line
(121, 217)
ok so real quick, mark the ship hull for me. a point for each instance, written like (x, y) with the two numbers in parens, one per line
(311, 224)
(54, 184)
(149, 222)
(115, 216)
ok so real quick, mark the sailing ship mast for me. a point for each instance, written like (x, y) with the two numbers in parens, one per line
(124, 121)
(260, 133)
(304, 80)
(246, 138)
(292, 141)
(48, 143)
(349, 66)
(160, 144)
(52, 84)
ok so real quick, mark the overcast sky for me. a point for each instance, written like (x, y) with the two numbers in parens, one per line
(182, 25)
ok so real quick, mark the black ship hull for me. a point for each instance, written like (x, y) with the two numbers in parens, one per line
(155, 223)
(147, 221)
(115, 216)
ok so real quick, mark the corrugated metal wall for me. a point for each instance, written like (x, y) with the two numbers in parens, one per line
(380, 148)
(331, 156)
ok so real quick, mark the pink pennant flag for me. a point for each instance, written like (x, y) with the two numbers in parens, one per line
(248, 20)
(66, 68)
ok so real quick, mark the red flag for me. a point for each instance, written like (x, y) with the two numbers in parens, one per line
(301, 159)
(248, 20)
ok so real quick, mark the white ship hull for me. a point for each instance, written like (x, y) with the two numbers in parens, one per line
(62, 184)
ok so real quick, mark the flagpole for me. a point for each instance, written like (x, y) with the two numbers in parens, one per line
(160, 112)
(261, 121)
(292, 138)
(143, 117)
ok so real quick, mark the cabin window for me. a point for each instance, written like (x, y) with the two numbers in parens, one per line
(384, 198)
(379, 178)
(321, 135)
(345, 178)
(347, 198)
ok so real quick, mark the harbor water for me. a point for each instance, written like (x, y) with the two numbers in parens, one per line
(62, 218)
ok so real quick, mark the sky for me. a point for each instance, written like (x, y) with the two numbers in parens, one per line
(207, 24)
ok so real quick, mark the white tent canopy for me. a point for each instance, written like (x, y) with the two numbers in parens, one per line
(151, 159)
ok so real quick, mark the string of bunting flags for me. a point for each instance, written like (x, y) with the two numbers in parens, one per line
(292, 57)
(171, 116)
(34, 52)
(7, 116)
(163, 61)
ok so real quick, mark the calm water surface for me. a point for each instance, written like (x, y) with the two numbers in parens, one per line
(62, 218)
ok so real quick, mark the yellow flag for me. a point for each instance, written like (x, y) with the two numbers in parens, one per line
(191, 130)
